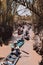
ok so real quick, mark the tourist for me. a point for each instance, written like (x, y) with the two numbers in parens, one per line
(13, 45)
(16, 51)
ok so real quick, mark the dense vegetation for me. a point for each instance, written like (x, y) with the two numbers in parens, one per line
(6, 16)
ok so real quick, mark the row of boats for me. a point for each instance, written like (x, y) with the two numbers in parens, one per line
(12, 58)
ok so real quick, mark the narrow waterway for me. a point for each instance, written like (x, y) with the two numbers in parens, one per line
(32, 58)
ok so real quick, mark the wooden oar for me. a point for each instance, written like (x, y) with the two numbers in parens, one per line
(24, 51)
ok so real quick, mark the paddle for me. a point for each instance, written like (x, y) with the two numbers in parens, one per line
(24, 56)
(24, 51)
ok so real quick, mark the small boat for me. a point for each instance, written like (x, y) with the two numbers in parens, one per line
(20, 42)
(11, 59)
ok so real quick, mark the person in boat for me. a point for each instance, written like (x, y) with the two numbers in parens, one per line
(15, 50)
(25, 32)
(7, 62)
(13, 45)
(20, 30)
